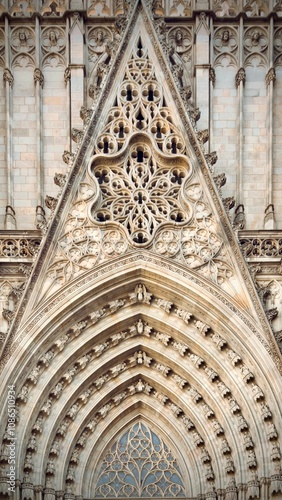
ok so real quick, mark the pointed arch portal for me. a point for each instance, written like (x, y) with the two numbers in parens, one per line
(140, 360)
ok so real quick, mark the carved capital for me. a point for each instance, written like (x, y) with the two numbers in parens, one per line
(8, 77)
(51, 202)
(270, 76)
(67, 76)
(240, 77)
(38, 77)
(212, 76)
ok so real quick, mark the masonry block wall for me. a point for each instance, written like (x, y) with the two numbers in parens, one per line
(52, 61)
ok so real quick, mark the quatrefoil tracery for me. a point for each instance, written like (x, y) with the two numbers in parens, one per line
(141, 192)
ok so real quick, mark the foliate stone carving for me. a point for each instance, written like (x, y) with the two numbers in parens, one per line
(23, 394)
(251, 459)
(228, 203)
(51, 202)
(53, 7)
(256, 8)
(212, 75)
(8, 77)
(34, 375)
(85, 114)
(248, 442)
(68, 157)
(77, 135)
(203, 136)
(180, 8)
(271, 431)
(240, 77)
(67, 76)
(276, 481)
(231, 490)
(247, 375)
(220, 180)
(60, 179)
(225, 8)
(212, 375)
(98, 8)
(225, 448)
(270, 76)
(234, 407)
(38, 425)
(275, 454)
(53, 46)
(242, 424)
(46, 408)
(38, 77)
(164, 304)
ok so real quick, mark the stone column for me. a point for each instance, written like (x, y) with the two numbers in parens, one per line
(77, 70)
(38, 492)
(202, 70)
(10, 219)
(242, 491)
(264, 488)
(38, 83)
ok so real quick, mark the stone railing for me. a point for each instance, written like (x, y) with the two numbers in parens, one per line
(261, 245)
(16, 246)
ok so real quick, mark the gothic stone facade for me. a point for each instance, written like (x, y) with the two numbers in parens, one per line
(140, 249)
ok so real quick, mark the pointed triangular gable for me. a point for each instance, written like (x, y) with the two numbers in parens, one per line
(140, 182)
(141, 189)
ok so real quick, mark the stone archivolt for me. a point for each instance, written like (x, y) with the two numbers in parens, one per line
(146, 366)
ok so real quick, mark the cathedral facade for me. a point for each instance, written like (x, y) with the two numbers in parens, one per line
(140, 249)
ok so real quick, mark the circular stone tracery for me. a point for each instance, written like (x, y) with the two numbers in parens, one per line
(141, 193)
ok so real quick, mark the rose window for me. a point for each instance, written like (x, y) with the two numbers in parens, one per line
(141, 193)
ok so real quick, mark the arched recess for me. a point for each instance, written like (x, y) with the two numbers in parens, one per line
(200, 353)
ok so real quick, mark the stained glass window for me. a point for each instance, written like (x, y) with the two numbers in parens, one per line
(139, 464)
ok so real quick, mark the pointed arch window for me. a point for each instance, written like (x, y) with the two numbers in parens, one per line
(139, 465)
